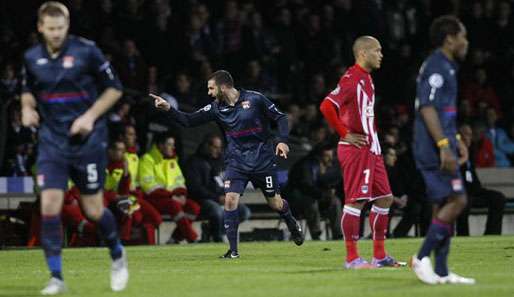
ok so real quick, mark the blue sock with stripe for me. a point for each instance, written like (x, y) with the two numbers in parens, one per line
(231, 224)
(51, 240)
(108, 228)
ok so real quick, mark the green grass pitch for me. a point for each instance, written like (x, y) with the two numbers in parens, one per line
(269, 269)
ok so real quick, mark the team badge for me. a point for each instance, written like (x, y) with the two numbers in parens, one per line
(68, 61)
(40, 180)
(227, 184)
(172, 165)
(245, 104)
(457, 185)
(41, 61)
(364, 189)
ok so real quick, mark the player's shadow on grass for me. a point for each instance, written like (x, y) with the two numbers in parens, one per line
(19, 290)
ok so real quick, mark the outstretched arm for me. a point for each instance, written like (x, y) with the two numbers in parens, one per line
(194, 119)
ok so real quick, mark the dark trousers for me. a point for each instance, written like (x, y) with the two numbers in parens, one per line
(416, 212)
(495, 203)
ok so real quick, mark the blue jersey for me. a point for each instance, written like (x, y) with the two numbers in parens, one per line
(65, 87)
(436, 86)
(250, 145)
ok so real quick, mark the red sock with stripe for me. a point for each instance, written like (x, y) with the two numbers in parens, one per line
(350, 225)
(378, 221)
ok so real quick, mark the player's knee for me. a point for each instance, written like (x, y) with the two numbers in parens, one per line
(275, 203)
(93, 213)
(231, 201)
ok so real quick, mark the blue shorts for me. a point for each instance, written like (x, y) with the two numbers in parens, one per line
(440, 185)
(86, 170)
(235, 181)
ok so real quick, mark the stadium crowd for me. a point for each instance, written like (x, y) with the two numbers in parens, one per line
(293, 51)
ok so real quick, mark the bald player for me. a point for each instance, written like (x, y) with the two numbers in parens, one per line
(349, 110)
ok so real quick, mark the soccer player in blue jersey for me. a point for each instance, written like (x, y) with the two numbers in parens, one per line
(436, 147)
(68, 86)
(245, 116)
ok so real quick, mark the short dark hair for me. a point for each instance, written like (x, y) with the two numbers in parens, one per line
(161, 138)
(53, 9)
(222, 77)
(442, 27)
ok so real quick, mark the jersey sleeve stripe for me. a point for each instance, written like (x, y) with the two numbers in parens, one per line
(333, 101)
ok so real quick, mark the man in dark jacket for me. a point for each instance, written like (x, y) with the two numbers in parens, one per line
(312, 189)
(205, 183)
(478, 195)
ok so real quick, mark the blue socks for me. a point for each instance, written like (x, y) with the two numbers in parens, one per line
(438, 239)
(108, 227)
(51, 240)
(441, 257)
(231, 223)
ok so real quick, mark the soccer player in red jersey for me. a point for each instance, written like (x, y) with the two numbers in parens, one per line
(349, 110)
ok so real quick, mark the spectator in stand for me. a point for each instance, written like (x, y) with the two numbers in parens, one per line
(205, 181)
(481, 150)
(313, 185)
(256, 79)
(480, 91)
(9, 84)
(478, 196)
(396, 180)
(503, 146)
(164, 186)
(151, 217)
(131, 67)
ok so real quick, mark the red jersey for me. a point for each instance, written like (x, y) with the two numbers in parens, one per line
(354, 97)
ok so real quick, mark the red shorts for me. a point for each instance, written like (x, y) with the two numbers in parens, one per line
(364, 174)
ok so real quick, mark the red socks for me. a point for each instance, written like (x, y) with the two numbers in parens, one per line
(378, 221)
(350, 224)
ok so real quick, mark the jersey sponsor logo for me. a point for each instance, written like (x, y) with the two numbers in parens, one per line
(336, 90)
(227, 184)
(68, 61)
(41, 61)
(245, 104)
(436, 80)
(457, 185)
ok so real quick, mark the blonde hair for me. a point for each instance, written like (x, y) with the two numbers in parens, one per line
(53, 9)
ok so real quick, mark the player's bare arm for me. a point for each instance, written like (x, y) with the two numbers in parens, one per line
(282, 150)
(29, 115)
(160, 103)
(84, 124)
(448, 159)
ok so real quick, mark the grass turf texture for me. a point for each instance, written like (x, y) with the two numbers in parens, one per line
(269, 269)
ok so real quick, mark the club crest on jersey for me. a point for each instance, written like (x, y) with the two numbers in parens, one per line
(245, 104)
(457, 185)
(364, 189)
(68, 61)
(226, 184)
(41, 61)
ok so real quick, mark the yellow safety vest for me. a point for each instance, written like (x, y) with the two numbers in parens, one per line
(133, 167)
(155, 172)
